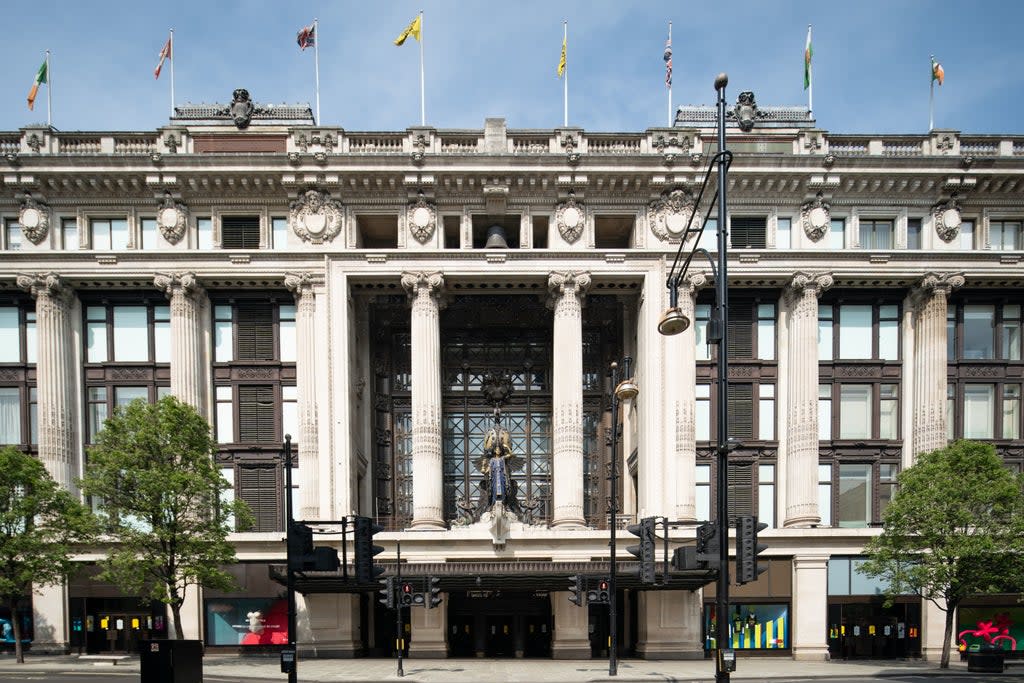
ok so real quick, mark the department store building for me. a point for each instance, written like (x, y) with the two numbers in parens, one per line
(357, 290)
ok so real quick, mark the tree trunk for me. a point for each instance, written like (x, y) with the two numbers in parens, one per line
(19, 653)
(176, 611)
(950, 613)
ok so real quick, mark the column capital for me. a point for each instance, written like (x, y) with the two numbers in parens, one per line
(933, 283)
(568, 282)
(47, 285)
(695, 281)
(178, 283)
(417, 282)
(802, 284)
(300, 284)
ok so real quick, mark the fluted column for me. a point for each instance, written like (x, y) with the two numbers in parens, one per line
(188, 376)
(929, 319)
(301, 285)
(55, 376)
(567, 291)
(424, 290)
(802, 405)
(681, 400)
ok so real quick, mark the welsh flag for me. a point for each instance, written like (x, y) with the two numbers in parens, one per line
(808, 53)
(40, 79)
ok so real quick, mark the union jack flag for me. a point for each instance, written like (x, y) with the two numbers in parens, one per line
(307, 36)
(668, 63)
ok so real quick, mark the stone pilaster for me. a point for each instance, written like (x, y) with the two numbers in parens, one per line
(55, 370)
(802, 405)
(301, 285)
(567, 292)
(188, 360)
(810, 586)
(424, 290)
(681, 400)
(929, 299)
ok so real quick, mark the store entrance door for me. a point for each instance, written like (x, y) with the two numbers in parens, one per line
(868, 630)
(496, 624)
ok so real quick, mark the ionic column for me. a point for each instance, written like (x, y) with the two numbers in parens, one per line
(188, 375)
(55, 376)
(567, 291)
(802, 404)
(424, 290)
(929, 299)
(301, 285)
(681, 400)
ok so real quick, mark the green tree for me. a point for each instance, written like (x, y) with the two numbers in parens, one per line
(153, 476)
(39, 524)
(954, 529)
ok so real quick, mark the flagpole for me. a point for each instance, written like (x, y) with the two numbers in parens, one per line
(810, 80)
(931, 98)
(172, 73)
(316, 62)
(670, 82)
(49, 89)
(565, 84)
(423, 95)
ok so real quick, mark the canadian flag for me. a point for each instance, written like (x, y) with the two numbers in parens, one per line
(165, 53)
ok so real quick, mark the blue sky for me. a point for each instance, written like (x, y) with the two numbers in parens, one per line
(871, 60)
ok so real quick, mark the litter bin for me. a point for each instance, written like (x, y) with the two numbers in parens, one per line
(986, 659)
(171, 661)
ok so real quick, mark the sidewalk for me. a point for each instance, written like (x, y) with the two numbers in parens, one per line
(524, 670)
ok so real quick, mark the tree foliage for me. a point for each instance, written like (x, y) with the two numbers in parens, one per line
(954, 529)
(39, 524)
(153, 475)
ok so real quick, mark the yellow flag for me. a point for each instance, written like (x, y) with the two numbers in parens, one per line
(561, 62)
(412, 29)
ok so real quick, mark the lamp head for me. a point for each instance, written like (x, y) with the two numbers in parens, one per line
(673, 322)
(627, 390)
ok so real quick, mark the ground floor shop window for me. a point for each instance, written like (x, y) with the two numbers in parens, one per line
(752, 626)
(1000, 625)
(246, 621)
(24, 616)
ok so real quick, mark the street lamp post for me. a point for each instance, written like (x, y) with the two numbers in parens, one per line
(625, 389)
(674, 322)
(293, 675)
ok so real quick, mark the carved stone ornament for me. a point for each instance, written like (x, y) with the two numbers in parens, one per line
(172, 219)
(241, 108)
(421, 217)
(669, 215)
(569, 218)
(816, 217)
(34, 219)
(746, 112)
(947, 219)
(315, 217)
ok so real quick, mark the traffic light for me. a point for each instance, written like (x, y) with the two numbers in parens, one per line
(433, 592)
(300, 546)
(599, 595)
(365, 550)
(747, 549)
(388, 591)
(645, 550)
(406, 595)
(707, 542)
(685, 557)
(576, 594)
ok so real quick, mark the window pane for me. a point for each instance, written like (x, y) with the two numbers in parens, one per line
(149, 233)
(824, 412)
(824, 332)
(69, 228)
(855, 332)
(119, 234)
(287, 334)
(33, 416)
(290, 419)
(766, 331)
(10, 416)
(97, 410)
(825, 494)
(125, 395)
(855, 411)
(204, 227)
(100, 234)
(225, 416)
(131, 334)
(766, 494)
(913, 233)
(888, 339)
(702, 415)
(31, 340)
(854, 495)
(280, 229)
(889, 410)
(223, 341)
(979, 411)
(227, 496)
(162, 334)
(700, 329)
(10, 335)
(979, 322)
(967, 235)
(703, 500)
(782, 233)
(766, 417)
(96, 342)
(1011, 411)
(835, 234)
(709, 238)
(1011, 332)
